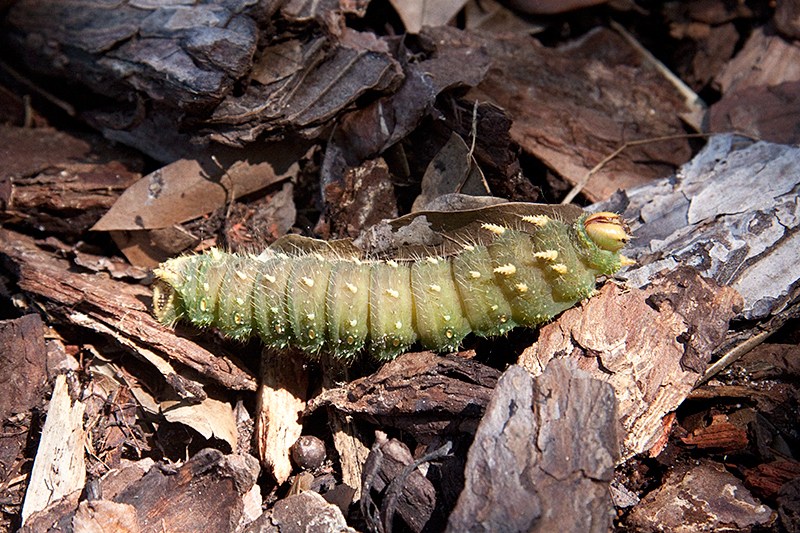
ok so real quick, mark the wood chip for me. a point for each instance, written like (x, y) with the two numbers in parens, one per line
(281, 400)
(59, 467)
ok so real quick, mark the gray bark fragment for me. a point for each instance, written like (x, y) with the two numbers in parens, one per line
(543, 455)
(732, 212)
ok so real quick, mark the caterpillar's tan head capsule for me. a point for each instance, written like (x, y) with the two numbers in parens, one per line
(609, 231)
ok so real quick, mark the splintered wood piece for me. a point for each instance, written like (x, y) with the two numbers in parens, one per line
(422, 393)
(349, 443)
(117, 309)
(651, 345)
(348, 437)
(279, 407)
(59, 465)
(543, 455)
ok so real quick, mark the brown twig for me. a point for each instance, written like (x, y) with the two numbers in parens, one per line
(581, 184)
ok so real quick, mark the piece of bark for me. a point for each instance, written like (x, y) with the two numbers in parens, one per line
(279, 407)
(204, 494)
(127, 473)
(543, 455)
(305, 10)
(55, 518)
(58, 182)
(767, 479)
(116, 309)
(386, 462)
(599, 93)
(301, 513)
(705, 497)
(59, 467)
(787, 18)
(709, 47)
(709, 217)
(765, 59)
(99, 516)
(789, 502)
(23, 365)
(422, 393)
(332, 79)
(760, 87)
(720, 435)
(770, 362)
(364, 133)
(651, 345)
(184, 56)
(766, 112)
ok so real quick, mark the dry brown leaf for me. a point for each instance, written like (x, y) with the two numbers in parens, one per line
(453, 170)
(210, 418)
(418, 13)
(189, 188)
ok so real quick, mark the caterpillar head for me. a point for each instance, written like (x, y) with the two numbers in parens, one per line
(608, 231)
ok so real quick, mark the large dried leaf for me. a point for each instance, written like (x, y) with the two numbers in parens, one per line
(412, 235)
(187, 189)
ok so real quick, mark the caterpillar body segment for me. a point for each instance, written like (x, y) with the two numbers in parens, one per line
(440, 321)
(524, 274)
(486, 308)
(391, 311)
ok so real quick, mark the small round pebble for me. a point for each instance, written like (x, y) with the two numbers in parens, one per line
(308, 452)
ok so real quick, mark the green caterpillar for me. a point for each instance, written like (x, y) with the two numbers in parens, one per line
(521, 270)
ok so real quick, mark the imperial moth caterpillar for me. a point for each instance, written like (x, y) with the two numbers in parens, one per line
(517, 269)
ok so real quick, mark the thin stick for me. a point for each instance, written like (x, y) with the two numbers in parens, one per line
(581, 184)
